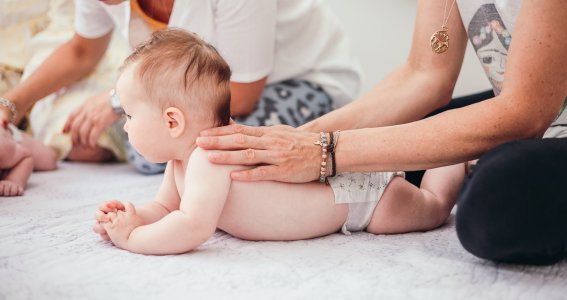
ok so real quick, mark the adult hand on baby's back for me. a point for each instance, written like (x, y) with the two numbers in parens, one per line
(90, 120)
(101, 216)
(284, 153)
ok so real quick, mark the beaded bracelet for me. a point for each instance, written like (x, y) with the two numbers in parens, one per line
(323, 143)
(10, 105)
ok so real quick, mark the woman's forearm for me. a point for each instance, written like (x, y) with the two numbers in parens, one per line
(448, 138)
(173, 234)
(67, 64)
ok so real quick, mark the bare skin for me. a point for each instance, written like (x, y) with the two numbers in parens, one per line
(197, 197)
(18, 160)
(387, 133)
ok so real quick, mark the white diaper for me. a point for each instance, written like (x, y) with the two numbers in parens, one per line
(361, 191)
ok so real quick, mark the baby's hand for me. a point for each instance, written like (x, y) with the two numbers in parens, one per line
(121, 223)
(101, 216)
(10, 188)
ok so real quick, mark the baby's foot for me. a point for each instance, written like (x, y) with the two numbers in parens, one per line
(10, 189)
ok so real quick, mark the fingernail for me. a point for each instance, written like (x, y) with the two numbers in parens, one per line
(202, 141)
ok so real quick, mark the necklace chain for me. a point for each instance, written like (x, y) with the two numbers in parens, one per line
(445, 15)
(439, 41)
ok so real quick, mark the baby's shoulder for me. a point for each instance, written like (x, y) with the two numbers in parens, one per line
(200, 159)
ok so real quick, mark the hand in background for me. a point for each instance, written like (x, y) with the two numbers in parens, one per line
(90, 120)
(285, 153)
(120, 224)
(101, 216)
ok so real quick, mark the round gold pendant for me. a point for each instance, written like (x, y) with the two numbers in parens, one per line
(440, 41)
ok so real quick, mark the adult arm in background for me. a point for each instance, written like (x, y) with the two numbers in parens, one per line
(533, 91)
(70, 62)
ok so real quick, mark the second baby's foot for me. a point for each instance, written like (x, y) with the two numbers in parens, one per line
(10, 189)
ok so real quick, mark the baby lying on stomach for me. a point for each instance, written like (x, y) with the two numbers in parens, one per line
(174, 86)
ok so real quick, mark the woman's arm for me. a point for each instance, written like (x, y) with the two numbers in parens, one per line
(422, 84)
(534, 90)
(68, 63)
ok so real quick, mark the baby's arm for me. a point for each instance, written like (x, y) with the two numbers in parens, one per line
(44, 158)
(166, 201)
(206, 190)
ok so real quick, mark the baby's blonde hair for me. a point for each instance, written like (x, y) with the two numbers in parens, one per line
(177, 67)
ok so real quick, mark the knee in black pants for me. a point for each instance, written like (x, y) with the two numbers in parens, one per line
(513, 207)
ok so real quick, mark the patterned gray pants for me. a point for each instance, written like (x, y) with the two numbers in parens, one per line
(291, 102)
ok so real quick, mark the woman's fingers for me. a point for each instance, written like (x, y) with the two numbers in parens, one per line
(285, 153)
(234, 128)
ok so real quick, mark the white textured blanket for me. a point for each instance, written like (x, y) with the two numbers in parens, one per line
(47, 251)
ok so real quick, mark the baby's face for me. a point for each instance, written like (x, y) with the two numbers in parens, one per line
(145, 124)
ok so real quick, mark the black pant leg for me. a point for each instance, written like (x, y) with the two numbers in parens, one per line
(513, 206)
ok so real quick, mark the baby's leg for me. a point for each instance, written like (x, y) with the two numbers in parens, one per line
(44, 158)
(405, 208)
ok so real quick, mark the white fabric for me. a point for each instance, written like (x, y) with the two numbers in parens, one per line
(281, 39)
(48, 251)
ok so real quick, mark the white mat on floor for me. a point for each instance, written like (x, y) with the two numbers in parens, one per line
(47, 251)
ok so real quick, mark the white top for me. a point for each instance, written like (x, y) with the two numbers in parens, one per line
(490, 26)
(281, 39)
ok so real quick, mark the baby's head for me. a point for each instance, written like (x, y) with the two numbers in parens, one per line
(173, 86)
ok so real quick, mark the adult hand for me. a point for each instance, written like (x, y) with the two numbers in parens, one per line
(90, 120)
(283, 153)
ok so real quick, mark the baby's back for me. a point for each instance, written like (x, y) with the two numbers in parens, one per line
(281, 211)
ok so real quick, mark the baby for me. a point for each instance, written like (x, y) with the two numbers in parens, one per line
(19, 156)
(175, 85)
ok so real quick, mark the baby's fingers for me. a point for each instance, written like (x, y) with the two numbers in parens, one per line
(101, 216)
(112, 205)
(98, 228)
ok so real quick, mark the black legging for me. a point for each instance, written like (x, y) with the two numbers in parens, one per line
(513, 206)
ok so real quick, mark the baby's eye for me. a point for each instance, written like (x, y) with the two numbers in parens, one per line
(128, 116)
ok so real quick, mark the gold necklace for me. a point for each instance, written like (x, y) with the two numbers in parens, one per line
(439, 41)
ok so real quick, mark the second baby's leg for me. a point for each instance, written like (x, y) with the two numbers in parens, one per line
(405, 207)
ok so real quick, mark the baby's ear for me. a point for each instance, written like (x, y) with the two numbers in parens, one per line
(175, 121)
